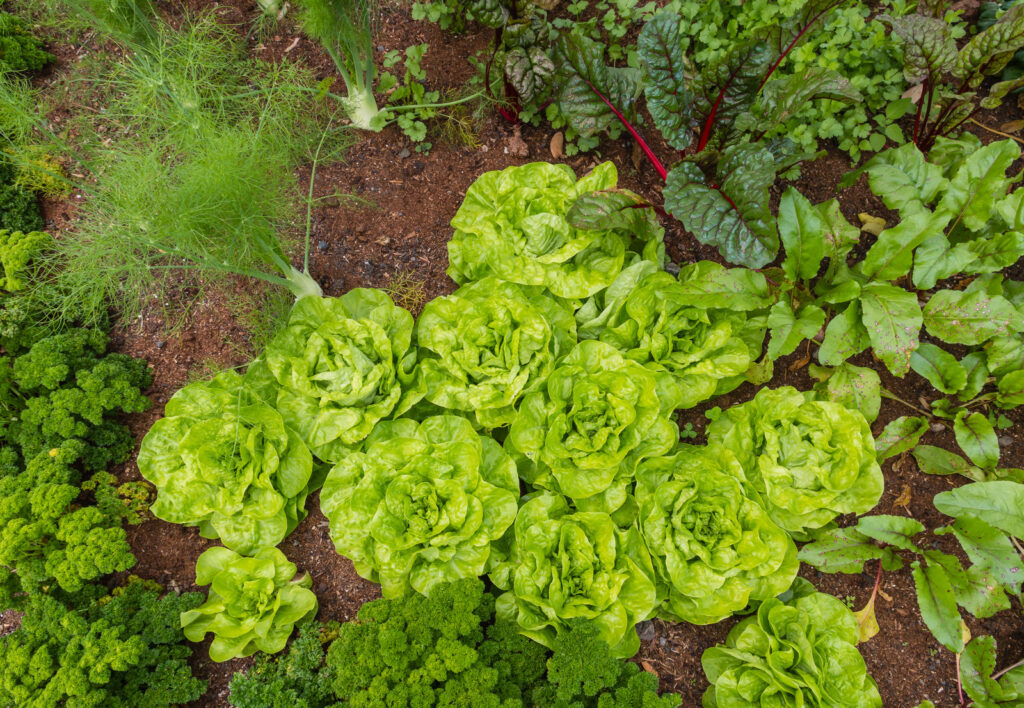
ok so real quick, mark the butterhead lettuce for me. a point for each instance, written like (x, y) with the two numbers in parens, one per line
(566, 565)
(792, 654)
(253, 603)
(421, 504)
(487, 344)
(596, 417)
(806, 461)
(342, 364)
(714, 549)
(224, 460)
(513, 224)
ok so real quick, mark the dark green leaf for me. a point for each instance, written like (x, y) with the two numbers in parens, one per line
(937, 602)
(929, 49)
(1011, 390)
(530, 70)
(588, 89)
(900, 435)
(660, 47)
(977, 372)
(800, 229)
(728, 88)
(783, 97)
(940, 367)
(936, 460)
(988, 52)
(735, 217)
(976, 436)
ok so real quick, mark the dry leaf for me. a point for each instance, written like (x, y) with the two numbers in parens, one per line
(867, 623)
(903, 499)
(516, 146)
(648, 668)
(885, 596)
(871, 224)
(914, 93)
(637, 158)
(803, 361)
(1014, 126)
(557, 145)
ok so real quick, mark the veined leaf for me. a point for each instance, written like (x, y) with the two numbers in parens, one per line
(590, 92)
(789, 329)
(728, 88)
(892, 254)
(903, 178)
(855, 387)
(867, 623)
(900, 435)
(999, 503)
(929, 49)
(529, 69)
(660, 47)
(800, 229)
(935, 259)
(989, 549)
(841, 551)
(733, 217)
(937, 602)
(783, 97)
(967, 588)
(892, 318)
(845, 336)
(898, 531)
(708, 285)
(980, 181)
(962, 317)
(940, 367)
(976, 666)
(988, 52)
(976, 437)
(993, 254)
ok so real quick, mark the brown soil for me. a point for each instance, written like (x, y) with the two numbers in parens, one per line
(405, 231)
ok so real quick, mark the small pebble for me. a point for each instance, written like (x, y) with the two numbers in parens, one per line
(671, 268)
(646, 631)
(404, 153)
(1005, 440)
(938, 427)
(161, 344)
(321, 246)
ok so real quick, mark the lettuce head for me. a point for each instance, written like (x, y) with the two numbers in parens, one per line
(421, 504)
(487, 344)
(566, 565)
(226, 461)
(806, 461)
(713, 549)
(342, 364)
(596, 417)
(513, 224)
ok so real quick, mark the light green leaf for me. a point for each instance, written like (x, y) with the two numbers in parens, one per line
(937, 602)
(788, 330)
(845, 336)
(896, 531)
(940, 367)
(892, 318)
(936, 460)
(892, 254)
(976, 436)
(961, 317)
(999, 503)
(900, 435)
(979, 182)
(855, 387)
(800, 229)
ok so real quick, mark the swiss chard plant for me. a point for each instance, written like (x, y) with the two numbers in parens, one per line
(719, 190)
(987, 522)
(948, 80)
(253, 605)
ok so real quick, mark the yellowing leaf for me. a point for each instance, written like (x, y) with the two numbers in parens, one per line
(866, 621)
(871, 224)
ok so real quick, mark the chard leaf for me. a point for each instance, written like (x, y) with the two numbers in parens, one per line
(590, 94)
(660, 47)
(980, 593)
(993, 254)
(788, 329)
(891, 255)
(896, 531)
(935, 259)
(800, 230)
(938, 461)
(989, 549)
(976, 666)
(980, 181)
(842, 551)
(726, 89)
(977, 372)
(961, 317)
(976, 437)
(900, 435)
(710, 286)
(1000, 503)
(529, 69)
(845, 336)
(735, 217)
(783, 97)
(855, 387)
(892, 318)
(940, 367)
(929, 49)
(490, 13)
(903, 178)
(1010, 390)
(937, 602)
(611, 209)
(988, 52)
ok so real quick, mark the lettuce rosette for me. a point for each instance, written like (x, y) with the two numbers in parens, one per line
(421, 504)
(253, 605)
(713, 548)
(342, 365)
(488, 343)
(806, 461)
(648, 316)
(793, 654)
(513, 224)
(564, 565)
(224, 460)
(584, 431)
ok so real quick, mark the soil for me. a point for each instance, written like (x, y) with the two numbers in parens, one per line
(403, 235)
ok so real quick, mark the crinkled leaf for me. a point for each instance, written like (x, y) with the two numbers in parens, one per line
(988, 52)
(529, 69)
(490, 13)
(727, 88)
(709, 285)
(961, 317)
(929, 49)
(590, 93)
(892, 318)
(735, 218)
(660, 47)
(900, 435)
(940, 367)
(903, 178)
(784, 96)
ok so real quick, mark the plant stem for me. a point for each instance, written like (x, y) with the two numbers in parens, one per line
(886, 393)
(651, 157)
(1009, 668)
(993, 130)
(309, 199)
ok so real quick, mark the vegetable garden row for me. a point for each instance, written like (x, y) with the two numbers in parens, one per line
(515, 461)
